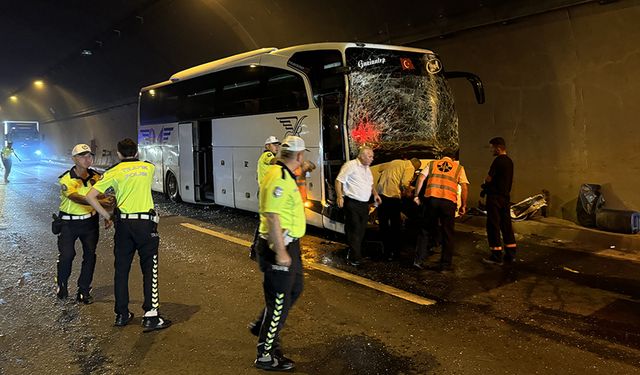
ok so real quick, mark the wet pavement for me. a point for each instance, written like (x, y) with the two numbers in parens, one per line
(558, 310)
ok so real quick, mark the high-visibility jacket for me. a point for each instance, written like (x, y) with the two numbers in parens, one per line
(442, 181)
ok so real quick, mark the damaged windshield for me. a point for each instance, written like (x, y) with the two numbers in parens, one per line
(400, 103)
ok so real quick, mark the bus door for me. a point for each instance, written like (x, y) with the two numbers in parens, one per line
(332, 115)
(203, 162)
(186, 162)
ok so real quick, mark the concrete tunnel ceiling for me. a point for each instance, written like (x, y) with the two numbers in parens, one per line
(94, 56)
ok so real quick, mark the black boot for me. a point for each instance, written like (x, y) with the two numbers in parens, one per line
(61, 291)
(84, 297)
(123, 319)
(274, 362)
(153, 323)
(509, 255)
(495, 258)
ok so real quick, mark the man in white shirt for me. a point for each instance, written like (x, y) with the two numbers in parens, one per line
(354, 186)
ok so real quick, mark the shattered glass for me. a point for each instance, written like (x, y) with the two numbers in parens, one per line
(397, 106)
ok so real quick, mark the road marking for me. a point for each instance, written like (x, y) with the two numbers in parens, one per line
(217, 234)
(330, 270)
(372, 284)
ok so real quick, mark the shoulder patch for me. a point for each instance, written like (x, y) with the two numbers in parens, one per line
(277, 192)
(63, 187)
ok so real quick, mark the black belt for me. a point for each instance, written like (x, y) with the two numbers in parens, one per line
(355, 200)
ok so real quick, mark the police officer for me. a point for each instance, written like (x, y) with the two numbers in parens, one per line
(136, 228)
(282, 224)
(6, 154)
(266, 159)
(79, 221)
(442, 178)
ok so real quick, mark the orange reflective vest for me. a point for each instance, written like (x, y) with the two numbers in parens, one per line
(442, 181)
(301, 181)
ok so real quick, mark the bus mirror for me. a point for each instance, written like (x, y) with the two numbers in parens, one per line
(474, 80)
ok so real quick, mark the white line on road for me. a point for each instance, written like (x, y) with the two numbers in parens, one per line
(332, 271)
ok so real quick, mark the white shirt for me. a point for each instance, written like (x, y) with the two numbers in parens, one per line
(357, 180)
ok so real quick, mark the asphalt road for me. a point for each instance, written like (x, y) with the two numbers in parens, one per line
(557, 311)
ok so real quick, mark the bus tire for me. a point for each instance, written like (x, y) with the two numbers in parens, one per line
(172, 189)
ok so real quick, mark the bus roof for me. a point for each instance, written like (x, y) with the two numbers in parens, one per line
(255, 55)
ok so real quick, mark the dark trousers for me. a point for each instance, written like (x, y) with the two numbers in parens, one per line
(87, 231)
(282, 286)
(499, 221)
(7, 168)
(390, 223)
(428, 238)
(356, 217)
(442, 211)
(132, 235)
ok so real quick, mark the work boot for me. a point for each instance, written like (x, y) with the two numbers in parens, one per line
(495, 258)
(122, 319)
(84, 297)
(270, 362)
(509, 255)
(441, 268)
(153, 323)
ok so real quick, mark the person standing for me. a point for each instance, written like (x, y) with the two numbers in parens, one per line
(354, 186)
(79, 222)
(442, 178)
(6, 154)
(497, 187)
(282, 225)
(301, 177)
(395, 179)
(266, 160)
(136, 228)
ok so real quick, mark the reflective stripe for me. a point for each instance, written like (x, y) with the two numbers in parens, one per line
(76, 217)
(275, 322)
(443, 184)
(444, 187)
(155, 297)
(446, 177)
(154, 218)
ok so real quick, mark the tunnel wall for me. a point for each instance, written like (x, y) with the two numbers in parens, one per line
(562, 88)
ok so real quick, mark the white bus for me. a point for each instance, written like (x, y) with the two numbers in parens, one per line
(204, 128)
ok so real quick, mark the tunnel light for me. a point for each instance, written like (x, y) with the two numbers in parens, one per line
(253, 65)
(86, 52)
(39, 84)
(14, 98)
(152, 92)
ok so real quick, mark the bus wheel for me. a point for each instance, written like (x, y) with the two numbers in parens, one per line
(172, 188)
